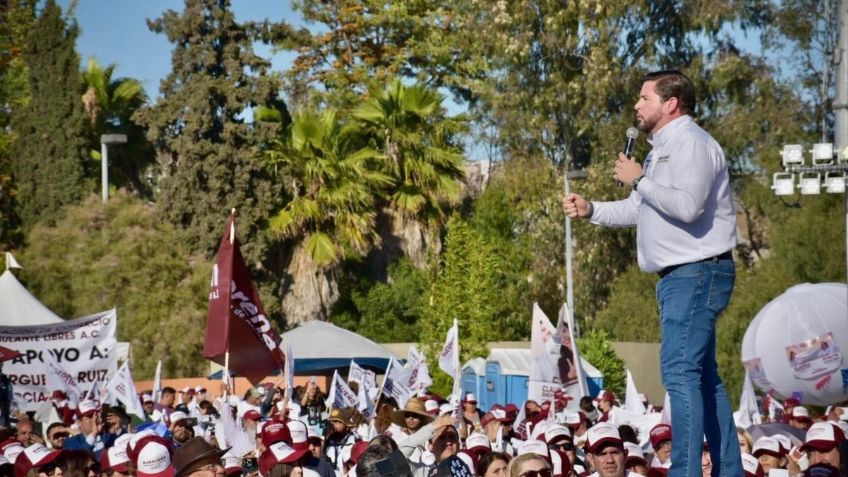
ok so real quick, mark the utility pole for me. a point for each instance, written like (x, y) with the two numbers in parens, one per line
(840, 57)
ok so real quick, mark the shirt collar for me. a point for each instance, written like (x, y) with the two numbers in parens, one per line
(660, 137)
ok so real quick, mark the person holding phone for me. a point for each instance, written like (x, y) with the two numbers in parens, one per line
(181, 428)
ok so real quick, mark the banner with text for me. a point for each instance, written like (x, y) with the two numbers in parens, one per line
(84, 347)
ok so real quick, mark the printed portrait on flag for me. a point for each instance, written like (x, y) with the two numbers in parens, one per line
(565, 362)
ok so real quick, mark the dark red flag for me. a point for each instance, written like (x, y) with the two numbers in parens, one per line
(6, 354)
(236, 321)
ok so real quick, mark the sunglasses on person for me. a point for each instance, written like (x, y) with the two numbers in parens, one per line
(536, 473)
(562, 446)
(50, 469)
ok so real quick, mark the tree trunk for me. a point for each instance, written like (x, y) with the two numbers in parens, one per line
(402, 236)
(309, 291)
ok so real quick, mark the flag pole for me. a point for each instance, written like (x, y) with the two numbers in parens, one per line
(227, 371)
(382, 386)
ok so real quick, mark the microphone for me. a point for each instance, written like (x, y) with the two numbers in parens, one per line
(630, 144)
(632, 134)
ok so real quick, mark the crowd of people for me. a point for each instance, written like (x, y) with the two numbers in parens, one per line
(188, 433)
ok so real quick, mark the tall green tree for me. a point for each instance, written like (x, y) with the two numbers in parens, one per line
(464, 286)
(421, 155)
(331, 180)
(363, 42)
(50, 149)
(120, 255)
(209, 152)
(16, 18)
(109, 103)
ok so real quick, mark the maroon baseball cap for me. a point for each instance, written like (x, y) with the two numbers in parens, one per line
(602, 434)
(659, 434)
(275, 431)
(823, 436)
(115, 458)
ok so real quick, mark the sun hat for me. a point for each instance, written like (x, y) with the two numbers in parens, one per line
(413, 406)
(194, 454)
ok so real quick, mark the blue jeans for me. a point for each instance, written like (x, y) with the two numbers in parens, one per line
(690, 299)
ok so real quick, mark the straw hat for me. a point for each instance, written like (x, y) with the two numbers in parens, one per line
(414, 406)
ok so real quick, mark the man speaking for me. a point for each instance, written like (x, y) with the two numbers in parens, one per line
(682, 207)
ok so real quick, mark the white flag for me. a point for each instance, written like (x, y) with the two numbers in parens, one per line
(365, 404)
(341, 396)
(748, 413)
(122, 387)
(666, 412)
(419, 373)
(632, 403)
(11, 262)
(358, 374)
(544, 354)
(157, 382)
(288, 369)
(59, 379)
(449, 357)
(394, 387)
(569, 362)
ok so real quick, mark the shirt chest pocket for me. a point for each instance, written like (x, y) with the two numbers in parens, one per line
(660, 170)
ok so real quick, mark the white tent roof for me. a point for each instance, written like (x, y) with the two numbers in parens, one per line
(319, 339)
(19, 308)
(516, 362)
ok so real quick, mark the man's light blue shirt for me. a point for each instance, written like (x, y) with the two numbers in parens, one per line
(683, 208)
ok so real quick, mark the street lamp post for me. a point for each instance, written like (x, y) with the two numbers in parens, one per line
(569, 280)
(105, 140)
(822, 171)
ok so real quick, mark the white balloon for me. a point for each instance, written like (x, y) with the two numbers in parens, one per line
(801, 341)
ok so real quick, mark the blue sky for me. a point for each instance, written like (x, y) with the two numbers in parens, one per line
(115, 32)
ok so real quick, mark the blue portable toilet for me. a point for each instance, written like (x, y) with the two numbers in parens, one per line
(503, 377)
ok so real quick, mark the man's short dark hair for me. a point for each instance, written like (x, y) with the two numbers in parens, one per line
(372, 455)
(674, 84)
(168, 390)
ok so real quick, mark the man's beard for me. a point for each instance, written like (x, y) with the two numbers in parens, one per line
(646, 125)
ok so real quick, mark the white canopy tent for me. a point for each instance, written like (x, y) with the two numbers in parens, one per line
(19, 308)
(319, 347)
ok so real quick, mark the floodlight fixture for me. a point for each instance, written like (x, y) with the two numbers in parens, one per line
(834, 182)
(809, 183)
(783, 183)
(793, 155)
(822, 153)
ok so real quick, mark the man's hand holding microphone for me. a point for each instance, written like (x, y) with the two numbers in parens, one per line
(626, 171)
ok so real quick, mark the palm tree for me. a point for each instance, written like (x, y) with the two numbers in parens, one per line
(420, 152)
(332, 180)
(109, 105)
